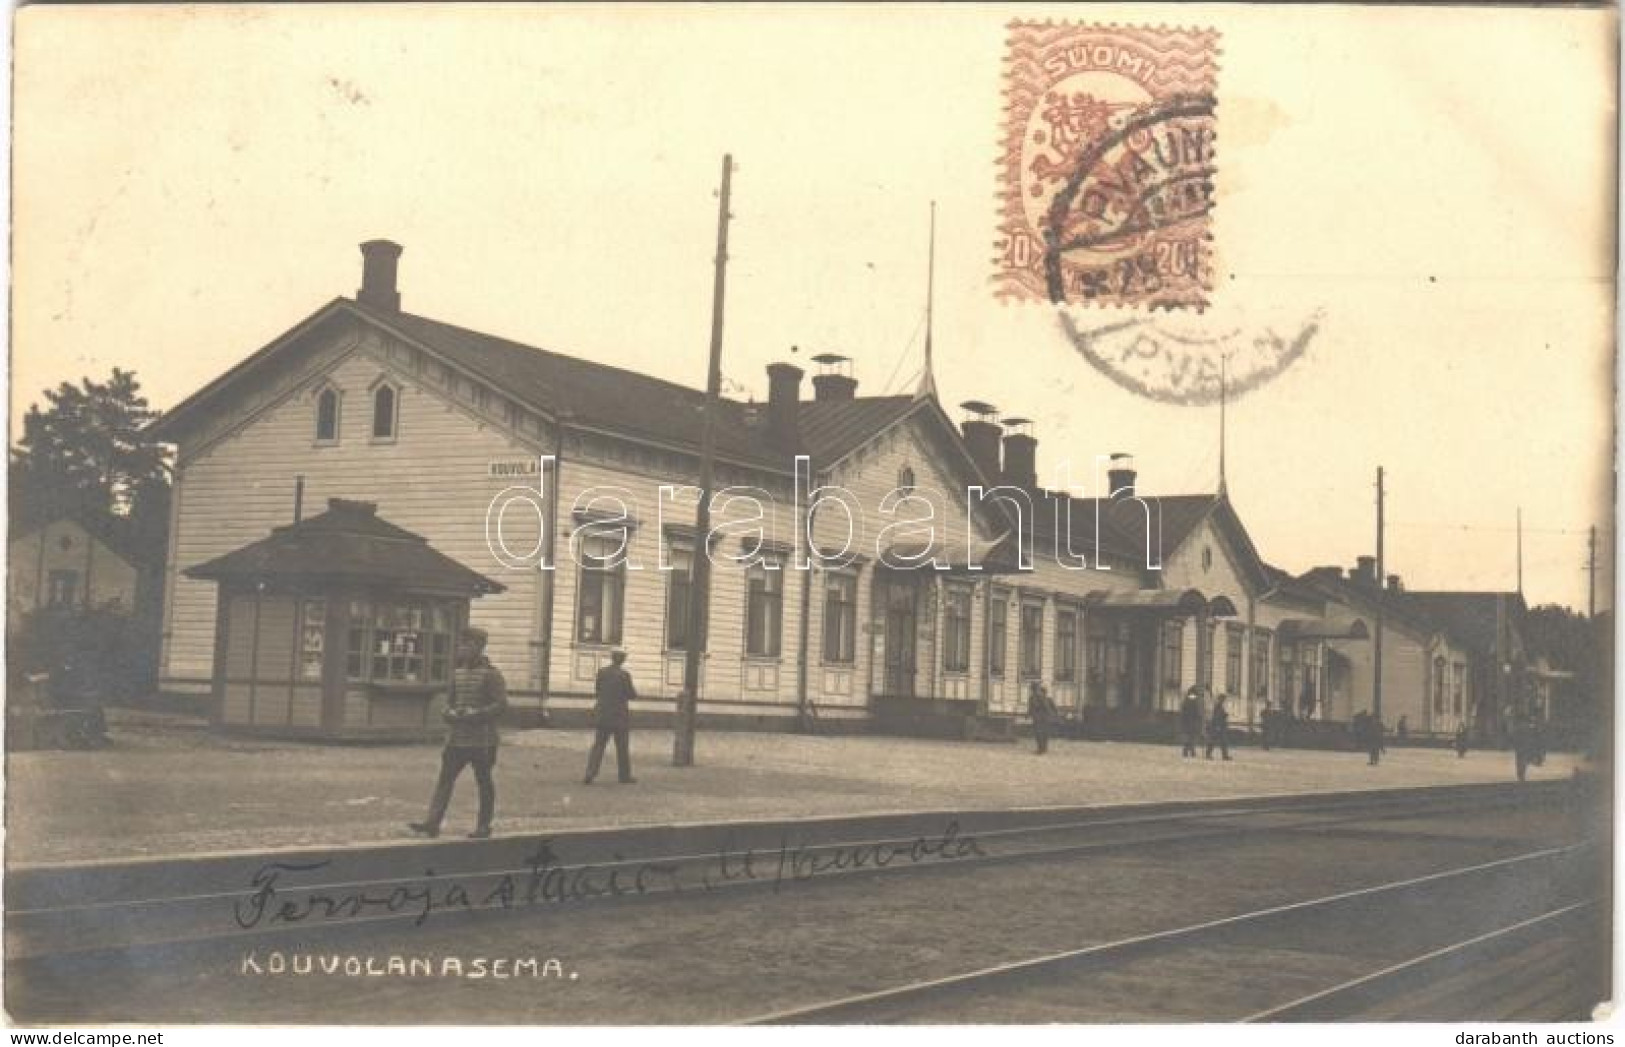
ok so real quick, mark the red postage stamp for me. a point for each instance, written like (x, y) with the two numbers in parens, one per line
(1106, 174)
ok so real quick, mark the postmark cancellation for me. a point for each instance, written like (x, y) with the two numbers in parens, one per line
(1106, 165)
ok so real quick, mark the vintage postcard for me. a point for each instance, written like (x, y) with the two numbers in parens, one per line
(854, 514)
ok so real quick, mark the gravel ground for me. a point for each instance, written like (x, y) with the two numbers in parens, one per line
(167, 788)
(714, 959)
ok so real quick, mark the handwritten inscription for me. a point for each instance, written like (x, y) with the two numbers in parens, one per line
(280, 893)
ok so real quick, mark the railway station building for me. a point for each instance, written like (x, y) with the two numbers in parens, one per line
(910, 573)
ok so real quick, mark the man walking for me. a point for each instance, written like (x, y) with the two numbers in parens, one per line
(1190, 721)
(1042, 710)
(1218, 728)
(614, 691)
(479, 696)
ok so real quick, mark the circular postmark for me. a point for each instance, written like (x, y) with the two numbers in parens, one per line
(1107, 175)
(1129, 224)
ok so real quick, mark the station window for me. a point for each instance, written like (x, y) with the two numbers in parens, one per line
(679, 583)
(1232, 659)
(1261, 664)
(764, 608)
(1173, 654)
(385, 411)
(603, 588)
(840, 618)
(1066, 645)
(956, 625)
(327, 416)
(996, 642)
(1032, 639)
(398, 641)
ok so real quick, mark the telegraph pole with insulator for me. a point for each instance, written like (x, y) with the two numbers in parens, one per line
(700, 559)
(1376, 650)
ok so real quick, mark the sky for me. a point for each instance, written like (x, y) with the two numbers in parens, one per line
(1435, 184)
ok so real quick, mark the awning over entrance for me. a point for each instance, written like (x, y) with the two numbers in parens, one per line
(1311, 629)
(1165, 601)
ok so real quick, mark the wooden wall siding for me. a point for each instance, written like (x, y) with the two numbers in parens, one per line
(1183, 569)
(1405, 669)
(356, 707)
(432, 479)
(234, 710)
(307, 706)
(104, 577)
(656, 671)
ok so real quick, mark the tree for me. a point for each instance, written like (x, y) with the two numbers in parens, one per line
(87, 450)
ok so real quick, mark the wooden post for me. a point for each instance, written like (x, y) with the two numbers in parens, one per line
(700, 565)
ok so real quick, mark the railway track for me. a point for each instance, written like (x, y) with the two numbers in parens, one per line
(1530, 967)
(59, 910)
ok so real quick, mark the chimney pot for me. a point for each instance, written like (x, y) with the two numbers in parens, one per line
(834, 379)
(1020, 454)
(1395, 584)
(784, 403)
(828, 387)
(981, 432)
(378, 265)
(1120, 476)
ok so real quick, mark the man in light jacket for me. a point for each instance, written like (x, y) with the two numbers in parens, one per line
(479, 695)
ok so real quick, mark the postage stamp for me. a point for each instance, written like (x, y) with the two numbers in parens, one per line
(1106, 169)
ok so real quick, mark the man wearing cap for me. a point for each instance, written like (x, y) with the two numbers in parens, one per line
(614, 691)
(479, 696)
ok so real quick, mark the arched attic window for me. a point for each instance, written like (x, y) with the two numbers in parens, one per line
(327, 415)
(386, 403)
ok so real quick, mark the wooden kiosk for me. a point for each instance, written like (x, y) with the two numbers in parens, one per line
(342, 626)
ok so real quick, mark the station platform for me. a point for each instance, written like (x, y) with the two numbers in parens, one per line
(168, 786)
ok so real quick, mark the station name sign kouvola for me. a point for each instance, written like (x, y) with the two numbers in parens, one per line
(513, 468)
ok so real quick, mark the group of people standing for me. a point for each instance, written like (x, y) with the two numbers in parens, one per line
(1193, 726)
(479, 697)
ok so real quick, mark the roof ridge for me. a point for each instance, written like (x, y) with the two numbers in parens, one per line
(584, 361)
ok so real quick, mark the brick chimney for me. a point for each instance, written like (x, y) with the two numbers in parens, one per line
(784, 404)
(378, 259)
(1395, 584)
(1120, 476)
(834, 379)
(1365, 570)
(1020, 454)
(982, 435)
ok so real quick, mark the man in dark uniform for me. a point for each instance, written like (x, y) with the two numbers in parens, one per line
(1190, 721)
(479, 696)
(1042, 709)
(1218, 728)
(613, 691)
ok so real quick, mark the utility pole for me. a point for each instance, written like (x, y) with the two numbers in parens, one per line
(700, 559)
(1591, 573)
(1520, 550)
(1376, 651)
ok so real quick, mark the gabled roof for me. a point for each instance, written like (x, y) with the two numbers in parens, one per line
(1283, 584)
(112, 530)
(1175, 517)
(596, 396)
(1363, 597)
(1472, 619)
(350, 542)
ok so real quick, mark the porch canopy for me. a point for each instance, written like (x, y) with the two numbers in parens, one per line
(347, 545)
(1314, 629)
(1164, 601)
